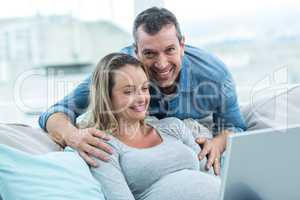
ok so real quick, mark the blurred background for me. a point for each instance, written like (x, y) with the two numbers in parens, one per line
(47, 47)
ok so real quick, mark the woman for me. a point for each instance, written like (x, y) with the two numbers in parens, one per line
(152, 160)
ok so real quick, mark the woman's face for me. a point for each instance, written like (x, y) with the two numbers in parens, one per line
(130, 94)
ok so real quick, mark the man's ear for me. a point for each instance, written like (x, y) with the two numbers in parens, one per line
(181, 43)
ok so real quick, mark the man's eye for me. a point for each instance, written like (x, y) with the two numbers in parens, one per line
(149, 55)
(171, 50)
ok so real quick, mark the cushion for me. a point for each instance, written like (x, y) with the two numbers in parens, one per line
(273, 110)
(27, 139)
(56, 175)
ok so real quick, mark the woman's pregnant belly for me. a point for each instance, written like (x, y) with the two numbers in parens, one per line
(184, 185)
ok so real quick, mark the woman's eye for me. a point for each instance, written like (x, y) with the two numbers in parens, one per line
(127, 92)
(145, 88)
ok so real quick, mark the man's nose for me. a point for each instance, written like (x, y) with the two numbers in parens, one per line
(162, 62)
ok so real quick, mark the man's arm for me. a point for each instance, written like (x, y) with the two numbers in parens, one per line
(228, 120)
(228, 115)
(72, 105)
(59, 121)
(55, 124)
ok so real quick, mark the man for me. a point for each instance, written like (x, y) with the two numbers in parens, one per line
(187, 83)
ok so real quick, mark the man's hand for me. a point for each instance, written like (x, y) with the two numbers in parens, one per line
(212, 149)
(89, 142)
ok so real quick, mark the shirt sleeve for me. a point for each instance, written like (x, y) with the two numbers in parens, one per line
(128, 50)
(112, 180)
(72, 105)
(228, 115)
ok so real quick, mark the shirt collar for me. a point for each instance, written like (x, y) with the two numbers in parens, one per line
(184, 75)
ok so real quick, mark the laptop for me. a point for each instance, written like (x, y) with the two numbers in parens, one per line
(262, 165)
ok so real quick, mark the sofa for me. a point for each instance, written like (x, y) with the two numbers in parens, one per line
(280, 110)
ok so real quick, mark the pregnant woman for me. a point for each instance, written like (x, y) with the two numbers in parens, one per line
(152, 159)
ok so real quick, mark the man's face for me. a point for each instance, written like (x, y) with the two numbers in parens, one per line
(161, 54)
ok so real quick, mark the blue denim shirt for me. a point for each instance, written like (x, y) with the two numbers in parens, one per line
(205, 88)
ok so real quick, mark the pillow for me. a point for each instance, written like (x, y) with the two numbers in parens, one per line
(52, 176)
(27, 139)
(272, 111)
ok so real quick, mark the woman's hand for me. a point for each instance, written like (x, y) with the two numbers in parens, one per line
(90, 142)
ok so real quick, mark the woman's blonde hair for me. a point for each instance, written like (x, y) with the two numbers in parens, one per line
(100, 113)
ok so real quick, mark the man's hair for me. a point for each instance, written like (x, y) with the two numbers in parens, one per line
(153, 20)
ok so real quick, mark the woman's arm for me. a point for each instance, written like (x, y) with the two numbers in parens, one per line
(110, 176)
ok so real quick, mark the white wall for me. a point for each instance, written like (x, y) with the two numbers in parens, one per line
(139, 5)
(3, 72)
